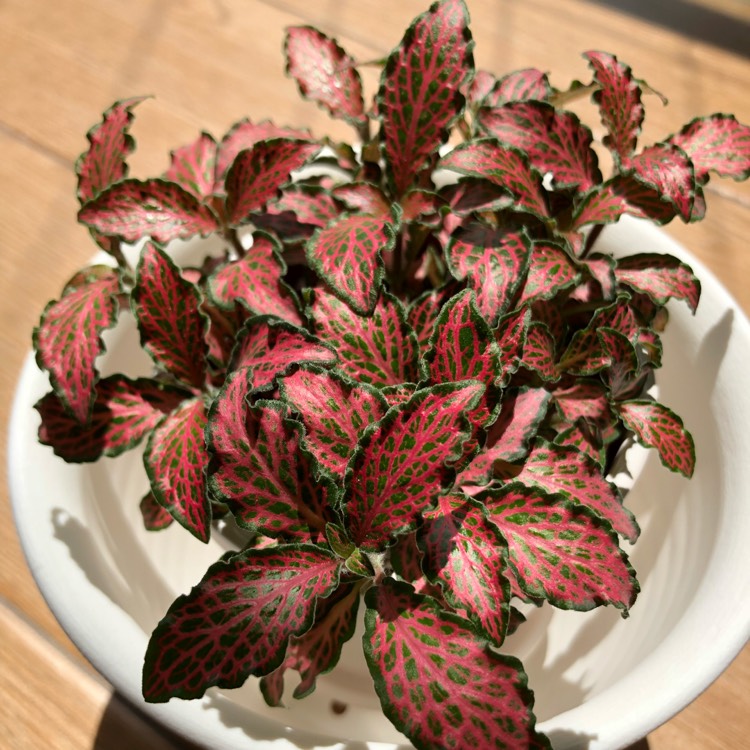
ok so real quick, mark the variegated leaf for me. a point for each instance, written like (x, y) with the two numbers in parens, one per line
(402, 463)
(466, 555)
(494, 263)
(555, 141)
(658, 427)
(584, 438)
(363, 197)
(561, 551)
(437, 681)
(586, 399)
(347, 255)
(660, 276)
(510, 335)
(539, 352)
(162, 210)
(335, 411)
(318, 650)
(155, 518)
(110, 145)
(508, 439)
(504, 166)
(528, 84)
(193, 166)
(255, 279)
(167, 308)
(423, 314)
(473, 194)
(310, 204)
(619, 100)
(175, 461)
(420, 90)
(68, 338)
(554, 469)
(380, 349)
(324, 73)
(270, 347)
(258, 468)
(717, 143)
(406, 558)
(237, 621)
(481, 85)
(257, 174)
(551, 270)
(124, 412)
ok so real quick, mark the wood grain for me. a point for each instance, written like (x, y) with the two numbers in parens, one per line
(207, 64)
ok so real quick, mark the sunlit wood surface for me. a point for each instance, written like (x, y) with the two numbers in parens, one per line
(208, 63)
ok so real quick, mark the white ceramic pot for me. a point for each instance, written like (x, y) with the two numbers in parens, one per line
(600, 681)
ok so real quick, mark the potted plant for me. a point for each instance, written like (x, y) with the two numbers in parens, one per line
(407, 374)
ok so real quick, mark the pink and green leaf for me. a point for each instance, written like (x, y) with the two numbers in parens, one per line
(363, 197)
(380, 349)
(258, 468)
(504, 166)
(717, 143)
(110, 145)
(175, 461)
(68, 338)
(193, 166)
(270, 347)
(402, 463)
(619, 101)
(420, 91)
(466, 555)
(568, 472)
(551, 270)
(493, 262)
(237, 621)
(423, 314)
(560, 551)
(346, 254)
(437, 681)
(258, 173)
(324, 73)
(660, 276)
(539, 352)
(528, 84)
(155, 518)
(586, 399)
(510, 335)
(335, 411)
(310, 204)
(172, 327)
(658, 427)
(155, 208)
(125, 411)
(554, 140)
(255, 279)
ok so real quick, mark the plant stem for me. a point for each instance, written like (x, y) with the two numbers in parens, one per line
(591, 240)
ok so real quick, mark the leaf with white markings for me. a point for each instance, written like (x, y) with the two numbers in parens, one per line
(441, 685)
(237, 621)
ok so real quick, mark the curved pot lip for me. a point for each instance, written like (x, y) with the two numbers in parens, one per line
(717, 627)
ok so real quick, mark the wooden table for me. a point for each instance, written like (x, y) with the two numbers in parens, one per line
(208, 63)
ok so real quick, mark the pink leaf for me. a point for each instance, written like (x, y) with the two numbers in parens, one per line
(258, 469)
(363, 197)
(172, 327)
(175, 461)
(110, 144)
(554, 140)
(658, 427)
(539, 352)
(68, 338)
(379, 349)
(481, 85)
(662, 277)
(717, 144)
(619, 100)
(560, 551)
(255, 280)
(511, 338)
(423, 313)
(237, 621)
(551, 270)
(566, 471)
(494, 264)
(270, 347)
(324, 73)
(193, 166)
(587, 399)
(244, 135)
(335, 412)
(347, 255)
(164, 211)
(155, 518)
(528, 84)
(310, 204)
(504, 166)
(442, 686)
(419, 96)
(401, 464)
(464, 552)
(124, 412)
(258, 173)
(318, 650)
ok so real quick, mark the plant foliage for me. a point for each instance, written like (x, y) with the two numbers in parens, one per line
(406, 375)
